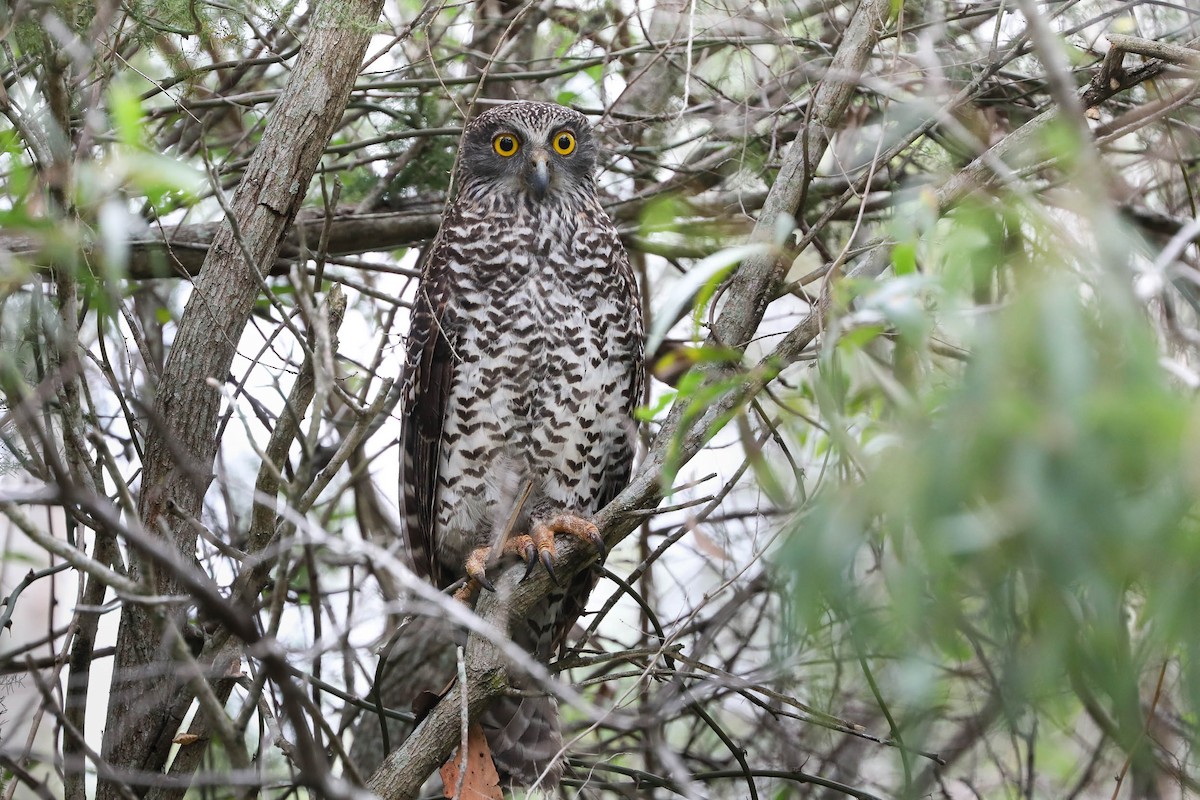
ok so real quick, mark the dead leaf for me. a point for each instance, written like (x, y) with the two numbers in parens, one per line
(185, 739)
(481, 782)
(707, 546)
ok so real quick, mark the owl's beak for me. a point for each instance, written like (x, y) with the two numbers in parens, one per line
(539, 174)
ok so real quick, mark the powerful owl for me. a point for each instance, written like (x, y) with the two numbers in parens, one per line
(524, 366)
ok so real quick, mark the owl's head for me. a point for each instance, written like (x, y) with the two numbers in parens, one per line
(537, 149)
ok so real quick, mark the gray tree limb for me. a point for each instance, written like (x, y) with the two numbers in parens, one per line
(177, 250)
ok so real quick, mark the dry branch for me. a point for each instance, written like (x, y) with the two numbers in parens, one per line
(1185, 56)
(180, 250)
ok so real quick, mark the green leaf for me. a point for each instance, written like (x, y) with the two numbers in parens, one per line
(1022, 513)
(904, 258)
(649, 412)
(857, 338)
(662, 214)
(125, 111)
(160, 178)
(708, 272)
(19, 177)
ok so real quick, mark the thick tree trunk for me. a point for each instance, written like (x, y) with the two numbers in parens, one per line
(181, 443)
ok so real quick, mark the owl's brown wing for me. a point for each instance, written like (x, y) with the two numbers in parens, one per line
(617, 478)
(429, 372)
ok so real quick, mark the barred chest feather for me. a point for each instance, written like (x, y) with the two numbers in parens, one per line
(542, 320)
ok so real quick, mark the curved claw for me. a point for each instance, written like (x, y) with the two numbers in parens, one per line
(531, 560)
(598, 542)
(548, 563)
(476, 568)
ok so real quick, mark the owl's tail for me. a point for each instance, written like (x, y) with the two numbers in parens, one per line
(525, 740)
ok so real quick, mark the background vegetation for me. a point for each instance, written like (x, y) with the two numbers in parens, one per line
(922, 292)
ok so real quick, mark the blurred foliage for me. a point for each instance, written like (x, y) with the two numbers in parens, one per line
(1024, 525)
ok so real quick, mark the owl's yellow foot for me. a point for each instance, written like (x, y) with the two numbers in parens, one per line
(537, 545)
(476, 569)
(466, 593)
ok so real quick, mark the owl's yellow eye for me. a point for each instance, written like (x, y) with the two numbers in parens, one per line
(506, 145)
(564, 143)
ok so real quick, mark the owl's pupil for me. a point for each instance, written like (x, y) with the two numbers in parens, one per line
(506, 143)
(564, 142)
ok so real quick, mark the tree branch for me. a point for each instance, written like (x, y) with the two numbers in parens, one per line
(182, 249)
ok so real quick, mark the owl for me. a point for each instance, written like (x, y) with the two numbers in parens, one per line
(524, 365)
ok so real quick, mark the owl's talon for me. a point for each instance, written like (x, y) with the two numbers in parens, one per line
(548, 563)
(476, 567)
(580, 527)
(530, 563)
(542, 537)
(523, 547)
(535, 546)
(597, 541)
